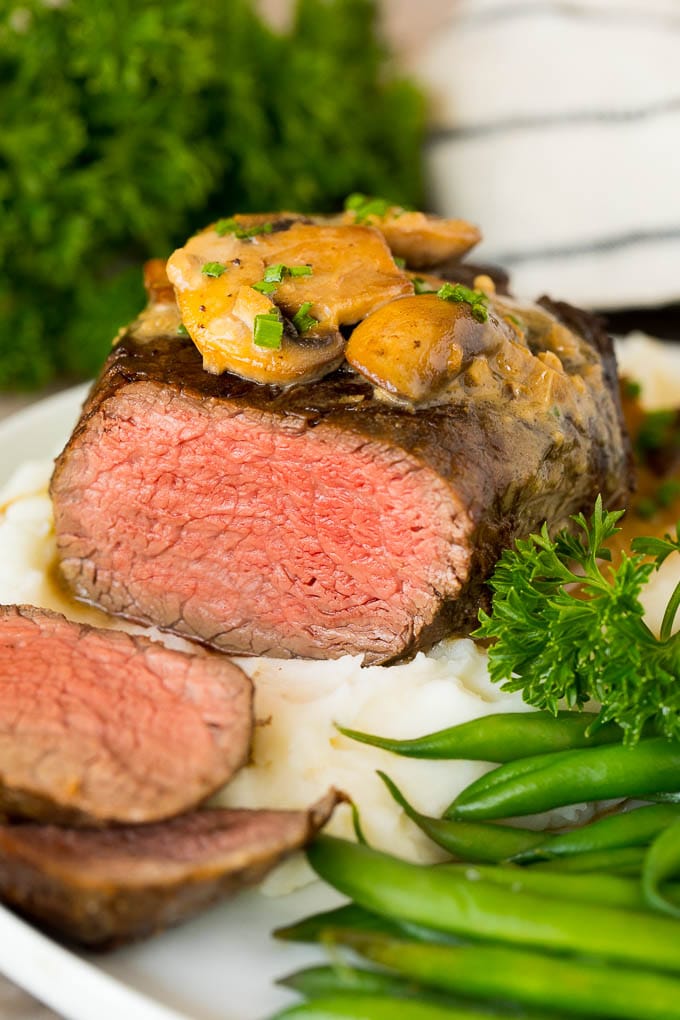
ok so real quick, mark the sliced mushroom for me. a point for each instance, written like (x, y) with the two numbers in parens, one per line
(422, 240)
(352, 274)
(158, 288)
(413, 347)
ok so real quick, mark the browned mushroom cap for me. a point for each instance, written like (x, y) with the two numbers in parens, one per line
(423, 240)
(412, 347)
(351, 273)
(156, 283)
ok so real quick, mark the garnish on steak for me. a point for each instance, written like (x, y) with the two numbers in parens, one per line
(359, 511)
(98, 726)
(104, 887)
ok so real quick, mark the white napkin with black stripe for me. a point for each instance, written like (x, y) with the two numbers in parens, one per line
(557, 130)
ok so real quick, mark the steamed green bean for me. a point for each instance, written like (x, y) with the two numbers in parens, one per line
(502, 738)
(436, 898)
(625, 829)
(580, 986)
(597, 773)
(468, 841)
(662, 861)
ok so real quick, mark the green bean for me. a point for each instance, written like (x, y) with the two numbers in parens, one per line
(501, 737)
(436, 898)
(589, 887)
(628, 828)
(662, 862)
(502, 774)
(349, 917)
(577, 986)
(622, 860)
(314, 982)
(597, 773)
(347, 1006)
(469, 841)
(325, 980)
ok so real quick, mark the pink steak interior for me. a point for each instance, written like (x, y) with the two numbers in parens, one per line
(255, 532)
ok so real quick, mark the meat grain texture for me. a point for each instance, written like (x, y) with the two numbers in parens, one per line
(98, 726)
(329, 518)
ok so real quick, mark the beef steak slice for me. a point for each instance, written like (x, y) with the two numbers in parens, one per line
(104, 887)
(98, 726)
(322, 519)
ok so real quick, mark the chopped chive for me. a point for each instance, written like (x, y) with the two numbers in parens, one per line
(365, 206)
(265, 286)
(302, 320)
(182, 330)
(268, 331)
(232, 226)
(476, 299)
(400, 262)
(274, 274)
(213, 268)
(420, 286)
(226, 226)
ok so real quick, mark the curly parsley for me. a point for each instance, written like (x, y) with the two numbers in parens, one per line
(567, 626)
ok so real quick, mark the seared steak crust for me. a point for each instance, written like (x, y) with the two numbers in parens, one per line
(99, 727)
(104, 887)
(461, 479)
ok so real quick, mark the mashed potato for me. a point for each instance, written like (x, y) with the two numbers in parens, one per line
(298, 754)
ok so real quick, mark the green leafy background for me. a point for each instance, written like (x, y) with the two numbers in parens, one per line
(127, 124)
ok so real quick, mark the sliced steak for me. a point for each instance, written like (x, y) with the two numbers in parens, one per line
(97, 726)
(104, 887)
(324, 519)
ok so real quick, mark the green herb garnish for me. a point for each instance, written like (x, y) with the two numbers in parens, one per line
(421, 287)
(268, 331)
(274, 275)
(213, 268)
(182, 330)
(476, 299)
(302, 320)
(365, 206)
(587, 641)
(631, 389)
(399, 262)
(265, 287)
(232, 226)
(277, 273)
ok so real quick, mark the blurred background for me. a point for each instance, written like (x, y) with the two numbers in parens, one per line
(127, 124)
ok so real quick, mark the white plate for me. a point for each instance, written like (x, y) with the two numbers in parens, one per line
(221, 966)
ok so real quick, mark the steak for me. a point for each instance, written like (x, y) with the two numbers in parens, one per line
(97, 726)
(326, 518)
(104, 887)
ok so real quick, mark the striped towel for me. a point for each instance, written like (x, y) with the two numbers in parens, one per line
(557, 129)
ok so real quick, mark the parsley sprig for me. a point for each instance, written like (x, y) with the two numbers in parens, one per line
(567, 625)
